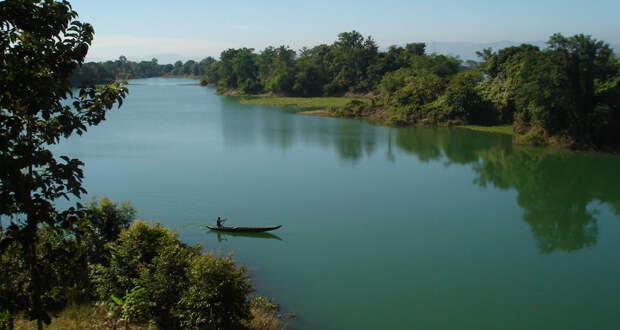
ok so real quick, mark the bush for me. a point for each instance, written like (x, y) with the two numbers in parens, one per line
(463, 101)
(264, 315)
(102, 222)
(147, 271)
(353, 108)
(134, 308)
(185, 288)
(217, 295)
(534, 137)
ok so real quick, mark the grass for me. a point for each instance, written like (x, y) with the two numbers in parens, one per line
(87, 316)
(303, 102)
(502, 129)
(79, 317)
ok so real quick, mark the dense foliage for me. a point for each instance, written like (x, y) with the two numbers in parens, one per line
(152, 276)
(122, 69)
(171, 284)
(351, 64)
(51, 257)
(40, 46)
(64, 256)
(567, 94)
(571, 90)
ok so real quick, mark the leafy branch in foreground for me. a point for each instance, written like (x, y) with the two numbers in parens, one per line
(41, 44)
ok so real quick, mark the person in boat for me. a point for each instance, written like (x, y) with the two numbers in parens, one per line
(219, 222)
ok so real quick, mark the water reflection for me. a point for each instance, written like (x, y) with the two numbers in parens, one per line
(555, 188)
(225, 236)
(280, 128)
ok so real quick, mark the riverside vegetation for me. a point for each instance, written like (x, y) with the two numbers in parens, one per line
(122, 69)
(52, 258)
(138, 274)
(567, 94)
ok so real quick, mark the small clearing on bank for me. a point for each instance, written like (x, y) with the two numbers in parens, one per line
(303, 102)
(502, 129)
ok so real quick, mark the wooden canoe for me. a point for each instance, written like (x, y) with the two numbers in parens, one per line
(243, 229)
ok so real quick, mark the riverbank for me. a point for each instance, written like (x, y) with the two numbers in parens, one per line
(314, 103)
(181, 76)
(501, 129)
(364, 108)
(264, 316)
(111, 282)
(343, 107)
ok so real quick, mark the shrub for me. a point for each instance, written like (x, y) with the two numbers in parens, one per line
(353, 108)
(102, 222)
(463, 101)
(185, 288)
(217, 294)
(534, 137)
(264, 314)
(134, 307)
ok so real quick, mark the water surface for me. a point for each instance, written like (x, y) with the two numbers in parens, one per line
(415, 228)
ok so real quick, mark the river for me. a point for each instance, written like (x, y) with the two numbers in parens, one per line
(382, 228)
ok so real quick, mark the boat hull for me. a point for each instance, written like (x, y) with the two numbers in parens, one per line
(243, 229)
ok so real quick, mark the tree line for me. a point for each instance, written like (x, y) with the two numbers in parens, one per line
(123, 69)
(566, 94)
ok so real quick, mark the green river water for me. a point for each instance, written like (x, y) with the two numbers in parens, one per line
(382, 228)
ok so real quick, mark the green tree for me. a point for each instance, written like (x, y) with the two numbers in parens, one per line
(245, 70)
(41, 46)
(441, 65)
(183, 287)
(217, 294)
(276, 68)
(505, 81)
(351, 57)
(312, 71)
(211, 76)
(586, 63)
(464, 101)
(101, 222)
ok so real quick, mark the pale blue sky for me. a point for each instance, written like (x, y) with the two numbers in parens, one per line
(199, 28)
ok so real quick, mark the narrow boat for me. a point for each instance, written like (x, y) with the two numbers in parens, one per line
(243, 229)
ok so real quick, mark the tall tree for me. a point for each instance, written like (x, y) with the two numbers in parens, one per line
(41, 45)
(586, 63)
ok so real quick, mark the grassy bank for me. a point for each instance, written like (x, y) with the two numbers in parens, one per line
(502, 129)
(187, 76)
(352, 107)
(264, 317)
(303, 102)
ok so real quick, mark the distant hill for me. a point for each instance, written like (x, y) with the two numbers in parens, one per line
(464, 50)
(467, 50)
(161, 58)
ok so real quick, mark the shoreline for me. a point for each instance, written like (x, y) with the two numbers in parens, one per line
(319, 112)
(332, 106)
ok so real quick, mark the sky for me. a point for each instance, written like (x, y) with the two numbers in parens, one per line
(200, 28)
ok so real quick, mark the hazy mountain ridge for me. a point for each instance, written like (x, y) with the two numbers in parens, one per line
(467, 50)
(464, 50)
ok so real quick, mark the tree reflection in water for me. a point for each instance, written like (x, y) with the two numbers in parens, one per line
(555, 187)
